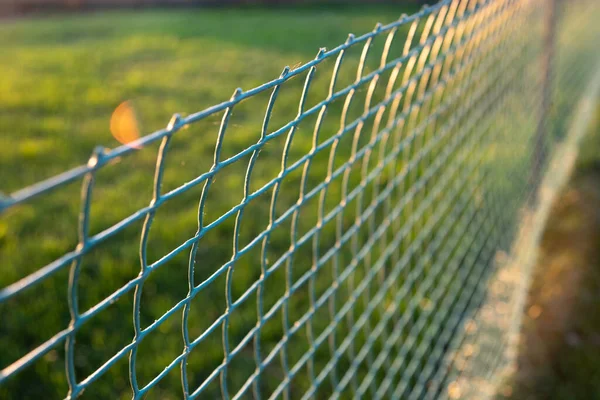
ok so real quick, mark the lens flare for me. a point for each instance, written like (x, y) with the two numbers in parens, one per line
(124, 124)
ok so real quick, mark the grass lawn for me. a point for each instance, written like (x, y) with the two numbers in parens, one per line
(62, 77)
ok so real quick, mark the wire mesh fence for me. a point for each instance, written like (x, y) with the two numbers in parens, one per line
(359, 233)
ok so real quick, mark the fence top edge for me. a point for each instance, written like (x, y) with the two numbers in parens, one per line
(101, 156)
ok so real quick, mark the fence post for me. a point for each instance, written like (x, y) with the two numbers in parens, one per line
(547, 63)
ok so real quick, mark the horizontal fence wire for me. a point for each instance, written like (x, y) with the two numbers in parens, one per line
(357, 256)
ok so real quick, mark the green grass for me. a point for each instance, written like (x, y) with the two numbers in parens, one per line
(62, 78)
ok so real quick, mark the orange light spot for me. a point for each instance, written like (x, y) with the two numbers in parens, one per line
(123, 124)
(534, 311)
(454, 391)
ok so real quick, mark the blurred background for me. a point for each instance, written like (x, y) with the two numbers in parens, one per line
(12, 7)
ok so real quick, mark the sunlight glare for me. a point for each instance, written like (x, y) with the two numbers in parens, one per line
(124, 124)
